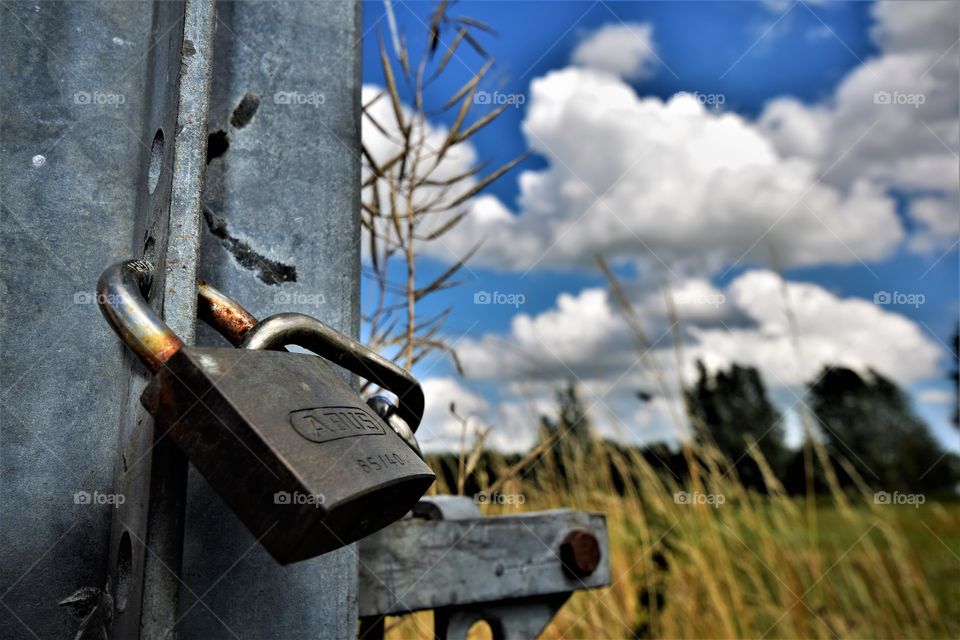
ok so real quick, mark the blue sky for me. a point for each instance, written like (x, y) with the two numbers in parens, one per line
(753, 55)
(700, 41)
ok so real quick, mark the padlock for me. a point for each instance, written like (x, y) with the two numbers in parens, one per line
(302, 330)
(233, 322)
(295, 452)
(387, 410)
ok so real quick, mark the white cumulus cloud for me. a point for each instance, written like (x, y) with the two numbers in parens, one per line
(938, 221)
(510, 425)
(669, 183)
(892, 120)
(936, 396)
(634, 398)
(383, 142)
(674, 184)
(851, 332)
(626, 50)
(440, 429)
(584, 338)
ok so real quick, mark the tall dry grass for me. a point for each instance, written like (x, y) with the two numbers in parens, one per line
(752, 567)
(701, 556)
(748, 568)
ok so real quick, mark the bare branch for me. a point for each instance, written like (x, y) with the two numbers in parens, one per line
(403, 186)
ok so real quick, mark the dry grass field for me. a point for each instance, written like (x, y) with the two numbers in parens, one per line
(755, 566)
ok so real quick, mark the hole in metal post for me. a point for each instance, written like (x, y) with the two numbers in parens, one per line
(156, 161)
(245, 111)
(124, 562)
(217, 144)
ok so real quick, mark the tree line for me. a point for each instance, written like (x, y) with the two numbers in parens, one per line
(863, 421)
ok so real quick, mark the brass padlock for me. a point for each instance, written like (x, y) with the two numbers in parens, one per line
(296, 453)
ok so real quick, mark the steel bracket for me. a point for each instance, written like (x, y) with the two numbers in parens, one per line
(513, 572)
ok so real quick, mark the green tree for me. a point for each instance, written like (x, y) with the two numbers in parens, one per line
(570, 430)
(868, 421)
(732, 406)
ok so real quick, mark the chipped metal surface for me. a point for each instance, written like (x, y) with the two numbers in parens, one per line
(283, 194)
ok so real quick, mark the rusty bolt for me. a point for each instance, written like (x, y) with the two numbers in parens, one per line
(580, 553)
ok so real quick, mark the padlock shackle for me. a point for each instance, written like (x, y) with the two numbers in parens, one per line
(121, 292)
(121, 296)
(224, 314)
(284, 329)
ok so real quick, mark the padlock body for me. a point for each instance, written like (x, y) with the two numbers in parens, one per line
(288, 445)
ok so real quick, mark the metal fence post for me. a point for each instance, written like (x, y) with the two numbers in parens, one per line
(281, 234)
(103, 151)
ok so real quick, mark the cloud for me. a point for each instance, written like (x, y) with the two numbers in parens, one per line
(383, 142)
(892, 120)
(584, 337)
(887, 115)
(669, 183)
(850, 332)
(936, 396)
(581, 337)
(906, 25)
(439, 429)
(690, 190)
(512, 425)
(678, 186)
(938, 221)
(625, 50)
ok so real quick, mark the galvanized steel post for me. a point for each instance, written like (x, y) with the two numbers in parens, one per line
(104, 149)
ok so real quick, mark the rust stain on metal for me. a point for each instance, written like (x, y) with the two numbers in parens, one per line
(223, 314)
